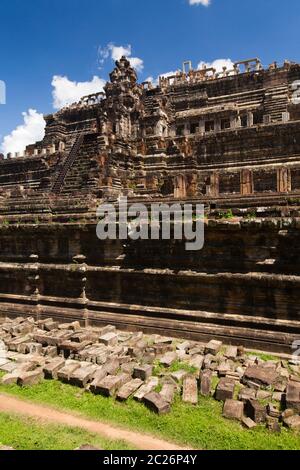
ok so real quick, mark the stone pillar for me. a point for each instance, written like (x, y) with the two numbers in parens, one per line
(35, 152)
(202, 126)
(214, 185)
(250, 119)
(34, 282)
(217, 125)
(246, 182)
(286, 117)
(267, 119)
(80, 260)
(284, 184)
(238, 122)
(233, 122)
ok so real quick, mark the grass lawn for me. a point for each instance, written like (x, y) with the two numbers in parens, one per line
(201, 427)
(24, 433)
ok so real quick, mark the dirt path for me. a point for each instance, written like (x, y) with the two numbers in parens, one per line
(140, 441)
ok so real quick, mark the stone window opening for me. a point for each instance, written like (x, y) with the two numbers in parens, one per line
(194, 127)
(244, 120)
(225, 124)
(209, 126)
(179, 131)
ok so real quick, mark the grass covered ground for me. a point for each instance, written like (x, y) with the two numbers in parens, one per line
(23, 433)
(201, 427)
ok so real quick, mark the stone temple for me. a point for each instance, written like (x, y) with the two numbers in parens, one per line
(229, 140)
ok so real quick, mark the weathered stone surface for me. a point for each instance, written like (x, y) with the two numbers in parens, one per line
(225, 389)
(67, 370)
(50, 370)
(256, 411)
(233, 409)
(82, 376)
(293, 422)
(127, 390)
(213, 347)
(149, 386)
(190, 390)
(110, 384)
(260, 376)
(143, 372)
(231, 352)
(30, 378)
(168, 392)
(248, 423)
(179, 375)
(168, 359)
(293, 396)
(156, 403)
(205, 383)
(109, 339)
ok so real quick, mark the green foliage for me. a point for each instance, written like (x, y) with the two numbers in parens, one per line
(201, 427)
(24, 433)
(226, 215)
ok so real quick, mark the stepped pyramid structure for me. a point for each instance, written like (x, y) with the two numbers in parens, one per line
(229, 140)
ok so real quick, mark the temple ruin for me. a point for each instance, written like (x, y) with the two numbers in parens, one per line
(229, 140)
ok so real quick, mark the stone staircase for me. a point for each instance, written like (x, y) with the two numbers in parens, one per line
(276, 101)
(68, 164)
(78, 177)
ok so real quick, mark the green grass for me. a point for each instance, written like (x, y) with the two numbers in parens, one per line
(24, 433)
(201, 427)
(159, 369)
(263, 356)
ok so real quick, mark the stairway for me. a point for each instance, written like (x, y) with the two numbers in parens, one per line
(68, 164)
(79, 177)
(276, 101)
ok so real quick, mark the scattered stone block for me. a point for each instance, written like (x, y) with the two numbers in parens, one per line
(190, 390)
(205, 383)
(260, 376)
(179, 375)
(145, 389)
(213, 347)
(231, 352)
(143, 372)
(67, 370)
(82, 376)
(30, 378)
(98, 377)
(248, 423)
(127, 390)
(293, 396)
(225, 390)
(197, 362)
(273, 425)
(293, 422)
(156, 403)
(50, 370)
(111, 383)
(168, 392)
(168, 359)
(233, 409)
(109, 339)
(256, 411)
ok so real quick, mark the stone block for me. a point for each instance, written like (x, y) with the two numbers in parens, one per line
(147, 388)
(109, 339)
(231, 352)
(111, 383)
(27, 379)
(260, 376)
(97, 379)
(225, 390)
(233, 409)
(293, 396)
(156, 403)
(82, 376)
(142, 372)
(51, 368)
(190, 390)
(248, 423)
(168, 359)
(168, 392)
(213, 347)
(205, 383)
(293, 422)
(127, 390)
(256, 411)
(179, 375)
(67, 370)
(197, 362)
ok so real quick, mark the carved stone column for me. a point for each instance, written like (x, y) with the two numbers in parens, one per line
(80, 260)
(34, 282)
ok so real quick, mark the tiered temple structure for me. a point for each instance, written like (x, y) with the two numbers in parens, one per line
(230, 140)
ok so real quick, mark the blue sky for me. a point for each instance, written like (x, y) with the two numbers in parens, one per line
(42, 39)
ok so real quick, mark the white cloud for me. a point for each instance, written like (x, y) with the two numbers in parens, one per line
(66, 92)
(205, 3)
(217, 64)
(116, 52)
(31, 131)
(155, 81)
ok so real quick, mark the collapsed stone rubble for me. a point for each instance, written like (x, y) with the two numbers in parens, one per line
(152, 369)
